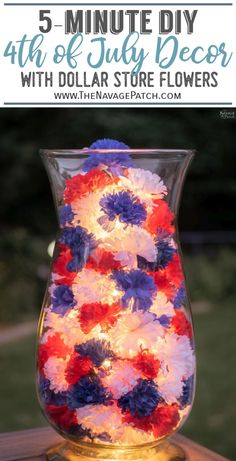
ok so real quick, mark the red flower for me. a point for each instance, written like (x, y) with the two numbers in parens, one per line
(147, 364)
(165, 419)
(77, 366)
(102, 261)
(53, 346)
(61, 416)
(161, 217)
(161, 422)
(163, 283)
(81, 184)
(97, 313)
(174, 271)
(144, 423)
(59, 267)
(181, 324)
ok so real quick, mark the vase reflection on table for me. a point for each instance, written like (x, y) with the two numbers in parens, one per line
(116, 362)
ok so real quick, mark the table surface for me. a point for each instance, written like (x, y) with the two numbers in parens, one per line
(31, 445)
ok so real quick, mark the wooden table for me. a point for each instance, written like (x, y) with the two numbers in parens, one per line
(31, 445)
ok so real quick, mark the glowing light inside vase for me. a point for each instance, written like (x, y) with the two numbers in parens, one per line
(116, 358)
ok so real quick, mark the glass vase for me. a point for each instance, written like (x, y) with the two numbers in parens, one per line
(116, 356)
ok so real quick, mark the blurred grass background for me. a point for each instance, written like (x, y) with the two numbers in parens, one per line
(28, 225)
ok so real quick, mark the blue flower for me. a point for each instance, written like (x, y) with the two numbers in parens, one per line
(137, 286)
(164, 320)
(179, 298)
(114, 161)
(165, 253)
(87, 391)
(96, 349)
(80, 431)
(66, 215)
(81, 244)
(142, 400)
(48, 396)
(62, 299)
(187, 392)
(124, 206)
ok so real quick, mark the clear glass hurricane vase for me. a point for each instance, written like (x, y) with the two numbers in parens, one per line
(116, 357)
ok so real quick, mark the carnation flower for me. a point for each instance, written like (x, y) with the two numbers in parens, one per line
(121, 378)
(174, 270)
(97, 350)
(68, 327)
(81, 432)
(124, 206)
(133, 436)
(82, 184)
(114, 162)
(177, 355)
(180, 297)
(87, 212)
(134, 331)
(161, 217)
(187, 392)
(54, 345)
(97, 313)
(76, 367)
(54, 370)
(87, 391)
(165, 420)
(62, 299)
(181, 324)
(138, 287)
(163, 283)
(66, 215)
(170, 386)
(144, 184)
(129, 243)
(81, 244)
(141, 400)
(102, 418)
(161, 306)
(147, 364)
(48, 396)
(60, 274)
(102, 261)
(61, 416)
(162, 421)
(91, 287)
(165, 252)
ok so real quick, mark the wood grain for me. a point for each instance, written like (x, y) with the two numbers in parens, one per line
(31, 445)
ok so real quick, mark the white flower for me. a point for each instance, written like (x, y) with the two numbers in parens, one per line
(161, 305)
(54, 370)
(101, 418)
(129, 243)
(170, 386)
(133, 436)
(69, 328)
(121, 379)
(144, 184)
(177, 363)
(134, 330)
(87, 212)
(90, 287)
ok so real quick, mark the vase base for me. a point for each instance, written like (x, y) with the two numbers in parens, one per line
(165, 451)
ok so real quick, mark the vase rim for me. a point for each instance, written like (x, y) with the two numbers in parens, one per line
(87, 151)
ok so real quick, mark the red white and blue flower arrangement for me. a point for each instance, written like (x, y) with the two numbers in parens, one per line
(116, 359)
